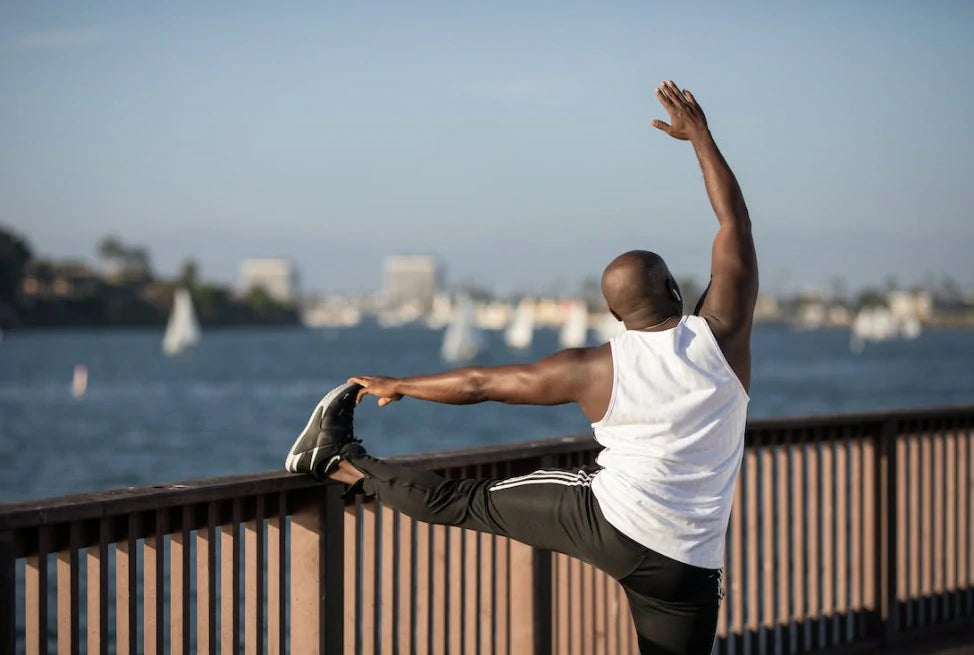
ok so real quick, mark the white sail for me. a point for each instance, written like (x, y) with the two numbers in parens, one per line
(462, 340)
(910, 327)
(183, 330)
(520, 332)
(574, 332)
(609, 327)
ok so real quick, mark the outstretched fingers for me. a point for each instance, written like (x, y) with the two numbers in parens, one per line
(662, 94)
(363, 392)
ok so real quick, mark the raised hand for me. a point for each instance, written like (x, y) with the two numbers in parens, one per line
(687, 120)
(382, 387)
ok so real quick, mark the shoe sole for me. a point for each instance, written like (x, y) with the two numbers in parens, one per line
(293, 459)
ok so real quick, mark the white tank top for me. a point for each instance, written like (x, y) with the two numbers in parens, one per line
(673, 438)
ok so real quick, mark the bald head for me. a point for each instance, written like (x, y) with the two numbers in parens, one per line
(638, 287)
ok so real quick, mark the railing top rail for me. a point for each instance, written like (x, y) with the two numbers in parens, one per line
(51, 511)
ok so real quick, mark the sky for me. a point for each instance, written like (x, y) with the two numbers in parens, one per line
(512, 140)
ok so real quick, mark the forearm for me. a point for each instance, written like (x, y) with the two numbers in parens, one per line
(722, 188)
(462, 386)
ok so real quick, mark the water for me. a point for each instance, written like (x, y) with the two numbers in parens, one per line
(234, 404)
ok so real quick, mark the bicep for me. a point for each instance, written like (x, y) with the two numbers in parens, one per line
(733, 288)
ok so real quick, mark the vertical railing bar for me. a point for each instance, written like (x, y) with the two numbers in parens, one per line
(560, 602)
(828, 538)
(180, 611)
(455, 598)
(275, 574)
(35, 604)
(930, 514)
(283, 575)
(842, 536)
(502, 580)
(814, 577)
(231, 546)
(161, 529)
(74, 545)
(886, 492)
(186, 599)
(901, 554)
(855, 521)
(438, 571)
(405, 585)
(206, 583)
(131, 584)
(575, 600)
(543, 589)
(783, 519)
(394, 535)
(367, 567)
(768, 568)
(331, 555)
(798, 511)
(150, 590)
(471, 541)
(969, 486)
(423, 593)
(68, 616)
(936, 434)
(253, 623)
(963, 492)
(912, 510)
(8, 593)
(871, 615)
(386, 581)
(104, 538)
(950, 522)
(260, 511)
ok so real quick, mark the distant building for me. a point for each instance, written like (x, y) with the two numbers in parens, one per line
(275, 276)
(410, 280)
(70, 280)
(905, 304)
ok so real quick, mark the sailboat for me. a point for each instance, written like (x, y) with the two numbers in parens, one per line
(520, 332)
(462, 341)
(574, 332)
(183, 330)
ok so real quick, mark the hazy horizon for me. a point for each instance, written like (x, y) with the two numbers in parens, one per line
(514, 142)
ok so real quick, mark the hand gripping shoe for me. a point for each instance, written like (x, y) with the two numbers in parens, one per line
(328, 437)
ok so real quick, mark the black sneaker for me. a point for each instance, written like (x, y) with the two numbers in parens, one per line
(328, 437)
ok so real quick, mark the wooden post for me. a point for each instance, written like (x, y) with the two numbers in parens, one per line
(522, 595)
(35, 596)
(317, 571)
(68, 631)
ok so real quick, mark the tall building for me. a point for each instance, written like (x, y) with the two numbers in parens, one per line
(411, 279)
(275, 276)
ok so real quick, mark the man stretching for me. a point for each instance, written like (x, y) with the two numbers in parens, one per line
(667, 400)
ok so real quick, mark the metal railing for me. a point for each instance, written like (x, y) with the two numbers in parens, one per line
(845, 531)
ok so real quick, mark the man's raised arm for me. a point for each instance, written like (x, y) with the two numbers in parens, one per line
(728, 303)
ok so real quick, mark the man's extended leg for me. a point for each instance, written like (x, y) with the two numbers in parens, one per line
(549, 509)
